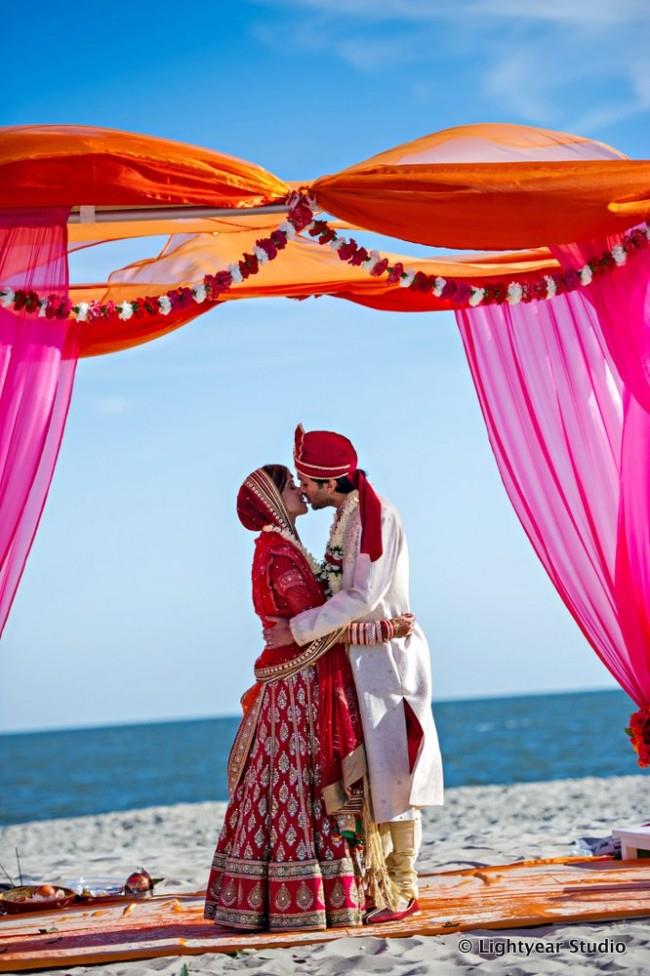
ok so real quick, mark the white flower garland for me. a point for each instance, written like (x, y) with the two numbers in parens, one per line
(332, 568)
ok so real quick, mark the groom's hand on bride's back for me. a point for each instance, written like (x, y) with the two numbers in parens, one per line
(277, 632)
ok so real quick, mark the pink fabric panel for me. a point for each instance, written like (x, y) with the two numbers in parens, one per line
(621, 300)
(632, 579)
(38, 358)
(553, 401)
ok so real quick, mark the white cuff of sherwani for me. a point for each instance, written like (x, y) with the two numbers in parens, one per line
(298, 631)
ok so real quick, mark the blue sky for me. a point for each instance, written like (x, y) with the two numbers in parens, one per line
(135, 603)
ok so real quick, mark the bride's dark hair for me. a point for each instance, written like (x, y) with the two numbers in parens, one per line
(278, 474)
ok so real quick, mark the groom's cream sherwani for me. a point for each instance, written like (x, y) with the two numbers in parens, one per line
(386, 675)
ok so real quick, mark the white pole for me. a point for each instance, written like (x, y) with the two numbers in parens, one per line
(90, 214)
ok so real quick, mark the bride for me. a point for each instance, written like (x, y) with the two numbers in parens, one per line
(288, 856)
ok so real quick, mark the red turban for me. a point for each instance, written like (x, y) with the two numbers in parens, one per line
(323, 454)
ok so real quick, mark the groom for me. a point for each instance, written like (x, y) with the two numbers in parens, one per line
(367, 571)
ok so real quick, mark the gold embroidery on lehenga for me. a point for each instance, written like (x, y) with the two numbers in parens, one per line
(245, 869)
(304, 897)
(276, 807)
(302, 920)
(305, 848)
(229, 893)
(242, 744)
(333, 869)
(236, 918)
(256, 896)
(346, 916)
(337, 895)
(283, 898)
(294, 870)
(309, 656)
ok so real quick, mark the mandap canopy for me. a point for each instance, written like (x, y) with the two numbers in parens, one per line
(553, 311)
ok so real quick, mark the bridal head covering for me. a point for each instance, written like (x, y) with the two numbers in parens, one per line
(324, 454)
(260, 501)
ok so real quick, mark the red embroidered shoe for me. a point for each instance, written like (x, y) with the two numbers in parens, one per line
(381, 915)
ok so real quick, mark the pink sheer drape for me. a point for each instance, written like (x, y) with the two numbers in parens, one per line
(38, 357)
(572, 446)
(621, 301)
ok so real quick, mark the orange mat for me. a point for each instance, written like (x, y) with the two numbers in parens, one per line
(555, 890)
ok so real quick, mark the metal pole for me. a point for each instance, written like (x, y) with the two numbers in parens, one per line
(90, 215)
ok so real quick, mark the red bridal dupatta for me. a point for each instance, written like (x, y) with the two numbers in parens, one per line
(283, 586)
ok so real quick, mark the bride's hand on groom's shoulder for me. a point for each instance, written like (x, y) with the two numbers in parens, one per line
(277, 632)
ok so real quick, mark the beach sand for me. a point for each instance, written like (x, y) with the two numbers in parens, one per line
(479, 825)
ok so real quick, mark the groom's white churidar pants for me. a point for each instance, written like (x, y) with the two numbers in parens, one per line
(402, 840)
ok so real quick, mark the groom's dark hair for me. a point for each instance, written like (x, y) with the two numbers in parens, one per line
(343, 485)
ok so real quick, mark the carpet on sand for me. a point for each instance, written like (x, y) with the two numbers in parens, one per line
(526, 893)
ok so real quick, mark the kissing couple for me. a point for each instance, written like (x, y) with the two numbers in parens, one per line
(337, 750)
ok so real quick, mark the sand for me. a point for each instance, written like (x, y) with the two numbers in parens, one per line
(478, 825)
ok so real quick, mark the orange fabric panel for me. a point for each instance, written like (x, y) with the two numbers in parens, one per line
(483, 186)
(69, 165)
(99, 338)
(492, 186)
(492, 142)
(91, 234)
(303, 269)
(491, 205)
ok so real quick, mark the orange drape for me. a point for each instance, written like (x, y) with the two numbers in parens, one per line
(492, 186)
(303, 269)
(491, 205)
(495, 186)
(69, 165)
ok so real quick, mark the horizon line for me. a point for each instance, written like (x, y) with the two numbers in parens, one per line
(210, 718)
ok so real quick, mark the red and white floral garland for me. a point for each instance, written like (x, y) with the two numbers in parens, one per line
(463, 293)
(207, 290)
(639, 733)
(300, 218)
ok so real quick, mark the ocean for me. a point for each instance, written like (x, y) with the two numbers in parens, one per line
(69, 773)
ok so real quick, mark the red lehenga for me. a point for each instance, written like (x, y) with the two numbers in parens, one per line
(282, 861)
